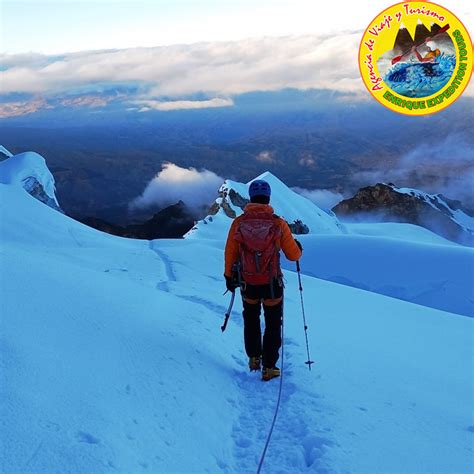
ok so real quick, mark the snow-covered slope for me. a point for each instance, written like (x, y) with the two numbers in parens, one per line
(439, 276)
(113, 361)
(286, 203)
(400, 231)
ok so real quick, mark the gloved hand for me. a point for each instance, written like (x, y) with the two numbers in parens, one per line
(298, 243)
(231, 286)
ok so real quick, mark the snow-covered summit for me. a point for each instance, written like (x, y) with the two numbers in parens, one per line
(453, 209)
(233, 197)
(29, 170)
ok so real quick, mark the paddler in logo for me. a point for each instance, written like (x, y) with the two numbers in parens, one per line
(431, 55)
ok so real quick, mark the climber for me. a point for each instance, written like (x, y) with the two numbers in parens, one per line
(252, 262)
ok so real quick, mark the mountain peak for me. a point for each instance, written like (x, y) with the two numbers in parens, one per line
(267, 176)
(233, 197)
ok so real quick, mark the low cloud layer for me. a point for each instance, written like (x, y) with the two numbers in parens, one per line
(265, 157)
(196, 188)
(166, 77)
(444, 167)
(147, 105)
(323, 198)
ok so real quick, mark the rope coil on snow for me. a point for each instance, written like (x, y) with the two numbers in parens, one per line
(262, 458)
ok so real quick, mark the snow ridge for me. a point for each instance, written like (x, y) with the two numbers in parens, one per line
(286, 203)
(28, 170)
(440, 203)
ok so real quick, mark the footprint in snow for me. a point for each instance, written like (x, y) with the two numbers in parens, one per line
(84, 437)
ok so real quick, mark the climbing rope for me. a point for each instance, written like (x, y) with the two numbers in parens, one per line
(262, 458)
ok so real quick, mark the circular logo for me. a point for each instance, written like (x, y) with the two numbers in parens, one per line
(416, 58)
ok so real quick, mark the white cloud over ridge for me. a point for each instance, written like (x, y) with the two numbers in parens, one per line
(265, 157)
(324, 198)
(444, 167)
(196, 188)
(147, 105)
(217, 69)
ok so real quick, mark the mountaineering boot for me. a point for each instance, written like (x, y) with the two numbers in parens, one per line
(254, 363)
(269, 373)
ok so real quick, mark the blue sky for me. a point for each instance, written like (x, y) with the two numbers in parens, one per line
(61, 26)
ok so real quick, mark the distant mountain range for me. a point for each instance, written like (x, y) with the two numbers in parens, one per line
(379, 203)
(101, 162)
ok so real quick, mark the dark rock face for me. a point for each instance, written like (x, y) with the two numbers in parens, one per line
(104, 226)
(383, 203)
(35, 188)
(237, 200)
(171, 222)
(228, 195)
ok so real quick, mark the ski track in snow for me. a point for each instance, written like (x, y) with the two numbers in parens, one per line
(297, 444)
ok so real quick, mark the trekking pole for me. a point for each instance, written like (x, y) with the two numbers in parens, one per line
(227, 314)
(309, 361)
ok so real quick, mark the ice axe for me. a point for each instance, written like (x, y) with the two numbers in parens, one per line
(396, 59)
(227, 314)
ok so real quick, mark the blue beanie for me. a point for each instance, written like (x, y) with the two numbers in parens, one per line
(259, 188)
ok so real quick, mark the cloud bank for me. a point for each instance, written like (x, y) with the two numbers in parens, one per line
(147, 105)
(217, 70)
(323, 198)
(169, 77)
(173, 183)
(444, 167)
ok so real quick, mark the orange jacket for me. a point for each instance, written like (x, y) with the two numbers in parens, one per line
(287, 242)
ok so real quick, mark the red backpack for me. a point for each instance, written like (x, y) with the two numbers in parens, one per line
(258, 235)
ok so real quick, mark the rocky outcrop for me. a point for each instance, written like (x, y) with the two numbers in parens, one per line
(385, 202)
(36, 189)
(171, 222)
(237, 200)
(298, 227)
(228, 197)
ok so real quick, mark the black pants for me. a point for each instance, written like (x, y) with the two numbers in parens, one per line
(273, 316)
